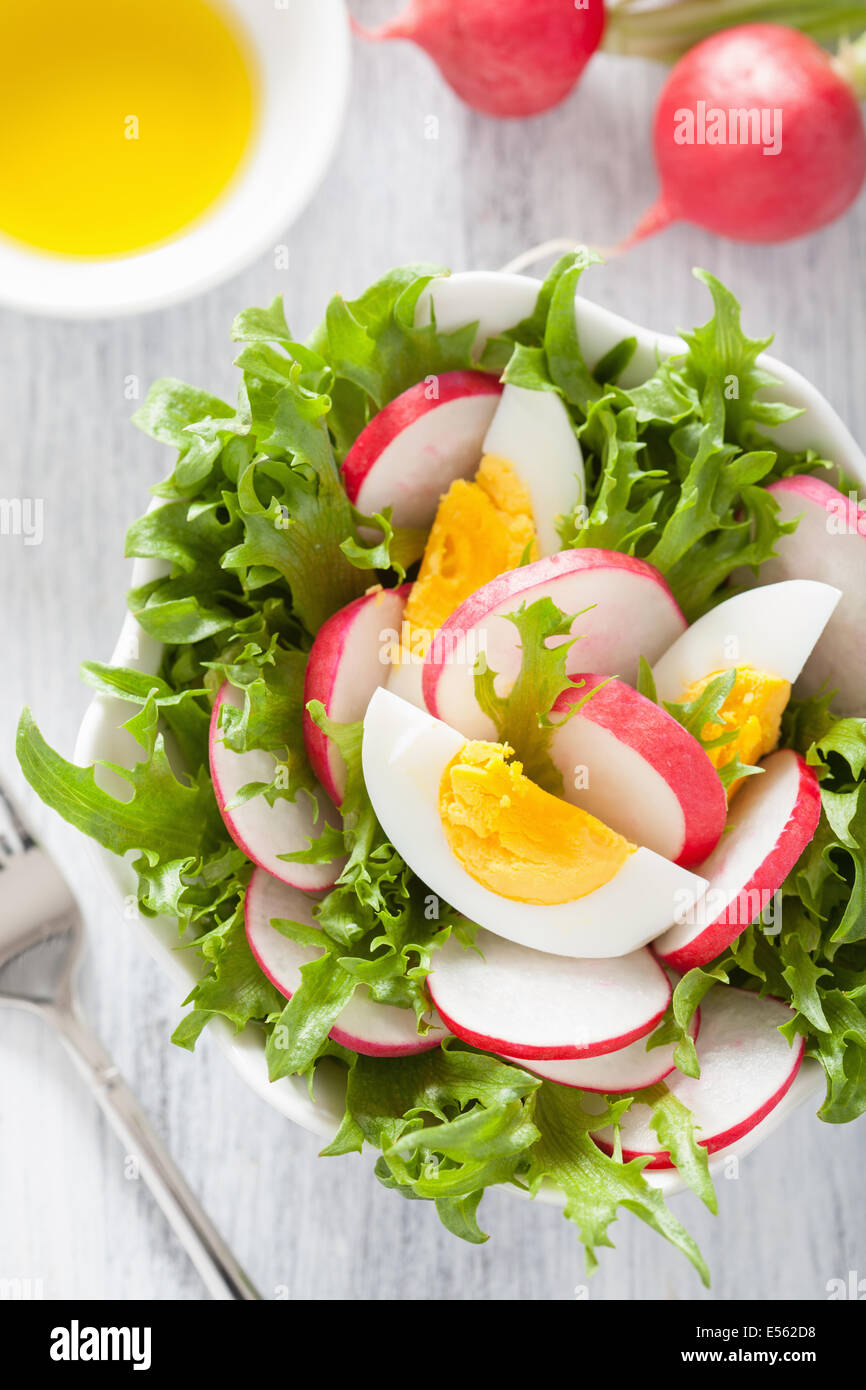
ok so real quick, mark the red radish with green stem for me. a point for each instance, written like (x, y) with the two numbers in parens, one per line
(759, 136)
(503, 57)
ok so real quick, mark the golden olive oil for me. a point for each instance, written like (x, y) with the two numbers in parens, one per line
(121, 121)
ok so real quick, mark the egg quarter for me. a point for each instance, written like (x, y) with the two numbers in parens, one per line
(405, 754)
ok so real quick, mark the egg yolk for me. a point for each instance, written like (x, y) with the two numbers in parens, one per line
(481, 529)
(754, 709)
(518, 840)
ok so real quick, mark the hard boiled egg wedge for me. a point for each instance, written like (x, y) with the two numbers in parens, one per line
(766, 635)
(529, 475)
(507, 854)
(532, 432)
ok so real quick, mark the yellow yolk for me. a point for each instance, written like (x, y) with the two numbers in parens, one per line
(754, 708)
(481, 529)
(518, 840)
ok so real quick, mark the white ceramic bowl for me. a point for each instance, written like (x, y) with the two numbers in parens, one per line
(497, 301)
(302, 52)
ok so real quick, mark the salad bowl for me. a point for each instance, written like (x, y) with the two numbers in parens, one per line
(496, 301)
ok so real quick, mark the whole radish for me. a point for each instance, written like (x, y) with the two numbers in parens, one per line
(503, 57)
(758, 136)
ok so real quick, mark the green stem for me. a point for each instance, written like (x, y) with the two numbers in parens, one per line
(850, 63)
(651, 1095)
(667, 29)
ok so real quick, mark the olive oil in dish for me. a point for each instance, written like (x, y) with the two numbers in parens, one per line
(121, 121)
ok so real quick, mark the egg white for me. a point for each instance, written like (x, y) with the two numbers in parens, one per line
(532, 431)
(772, 629)
(405, 753)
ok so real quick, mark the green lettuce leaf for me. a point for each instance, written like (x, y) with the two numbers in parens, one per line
(676, 466)
(482, 1110)
(705, 709)
(375, 351)
(163, 817)
(722, 357)
(522, 717)
(674, 1126)
(596, 1185)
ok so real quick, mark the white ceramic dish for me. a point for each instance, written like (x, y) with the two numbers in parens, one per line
(302, 53)
(497, 300)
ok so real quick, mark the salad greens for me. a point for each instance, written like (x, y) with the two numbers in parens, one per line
(522, 718)
(705, 710)
(257, 545)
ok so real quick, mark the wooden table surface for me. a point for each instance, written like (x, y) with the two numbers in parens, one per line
(475, 196)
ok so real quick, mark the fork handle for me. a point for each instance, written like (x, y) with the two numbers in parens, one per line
(223, 1276)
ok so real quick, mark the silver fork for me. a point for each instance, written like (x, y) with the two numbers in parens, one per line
(41, 944)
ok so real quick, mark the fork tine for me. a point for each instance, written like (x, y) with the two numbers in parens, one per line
(35, 899)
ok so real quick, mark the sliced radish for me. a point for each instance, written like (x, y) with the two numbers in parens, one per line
(526, 1004)
(771, 629)
(411, 452)
(632, 765)
(532, 430)
(771, 822)
(808, 1082)
(377, 1030)
(350, 658)
(631, 612)
(829, 544)
(265, 832)
(746, 1068)
(629, 1069)
(405, 679)
(405, 754)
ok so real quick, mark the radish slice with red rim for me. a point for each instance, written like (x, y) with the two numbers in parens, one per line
(625, 610)
(349, 659)
(630, 763)
(630, 1069)
(829, 545)
(262, 831)
(747, 1066)
(528, 1004)
(772, 820)
(376, 1030)
(418, 444)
